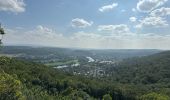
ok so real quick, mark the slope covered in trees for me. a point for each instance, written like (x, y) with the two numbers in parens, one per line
(38, 82)
(145, 70)
(151, 72)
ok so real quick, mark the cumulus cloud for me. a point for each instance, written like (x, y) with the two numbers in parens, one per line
(16, 6)
(105, 27)
(108, 7)
(45, 32)
(38, 36)
(149, 5)
(122, 28)
(161, 12)
(133, 19)
(80, 23)
(152, 22)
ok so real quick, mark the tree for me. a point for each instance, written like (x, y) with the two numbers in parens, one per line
(2, 33)
(10, 88)
(154, 96)
(107, 97)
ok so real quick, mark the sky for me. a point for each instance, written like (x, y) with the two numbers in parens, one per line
(97, 24)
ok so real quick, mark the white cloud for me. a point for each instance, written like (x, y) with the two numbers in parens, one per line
(133, 19)
(133, 9)
(105, 27)
(39, 36)
(43, 36)
(16, 6)
(116, 30)
(122, 28)
(80, 23)
(121, 41)
(45, 32)
(152, 22)
(108, 7)
(149, 5)
(161, 12)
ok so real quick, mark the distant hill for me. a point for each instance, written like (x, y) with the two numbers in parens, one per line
(100, 54)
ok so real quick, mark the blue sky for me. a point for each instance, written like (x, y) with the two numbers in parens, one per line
(105, 24)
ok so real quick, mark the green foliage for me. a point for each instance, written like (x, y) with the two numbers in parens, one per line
(107, 97)
(79, 95)
(154, 96)
(45, 83)
(131, 80)
(10, 88)
(145, 70)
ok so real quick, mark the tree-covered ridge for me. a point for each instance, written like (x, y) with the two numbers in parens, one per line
(152, 73)
(145, 70)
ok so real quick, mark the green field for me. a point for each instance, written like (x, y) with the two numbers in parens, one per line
(62, 63)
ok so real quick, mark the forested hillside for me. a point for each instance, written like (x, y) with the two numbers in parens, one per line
(145, 70)
(145, 78)
(152, 73)
(25, 80)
